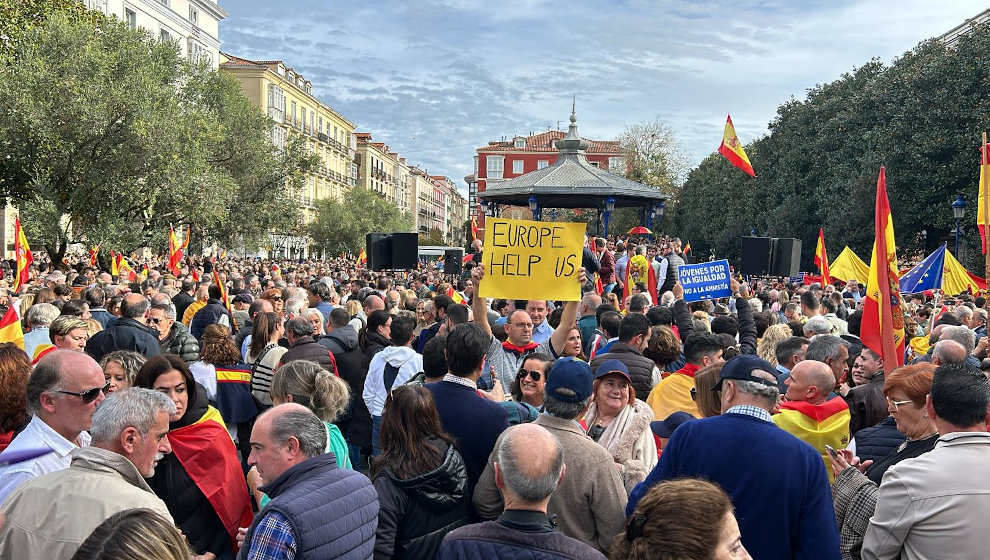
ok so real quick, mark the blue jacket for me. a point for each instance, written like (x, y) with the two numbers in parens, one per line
(876, 442)
(333, 512)
(777, 484)
(124, 334)
(208, 315)
(474, 421)
(516, 535)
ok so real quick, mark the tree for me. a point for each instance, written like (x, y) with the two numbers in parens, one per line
(20, 17)
(654, 157)
(434, 237)
(920, 116)
(340, 226)
(110, 137)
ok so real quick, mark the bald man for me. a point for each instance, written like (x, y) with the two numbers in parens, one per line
(809, 414)
(948, 352)
(338, 508)
(529, 463)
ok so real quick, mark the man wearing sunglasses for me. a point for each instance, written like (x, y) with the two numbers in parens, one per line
(64, 390)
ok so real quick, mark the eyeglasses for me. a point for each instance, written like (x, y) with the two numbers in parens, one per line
(897, 403)
(90, 395)
(534, 375)
(276, 298)
(522, 325)
(155, 321)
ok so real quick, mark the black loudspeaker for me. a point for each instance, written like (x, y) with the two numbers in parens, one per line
(405, 251)
(756, 254)
(453, 260)
(379, 251)
(786, 256)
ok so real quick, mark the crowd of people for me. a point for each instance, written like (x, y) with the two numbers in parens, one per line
(330, 411)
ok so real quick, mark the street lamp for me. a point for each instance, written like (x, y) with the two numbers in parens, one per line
(958, 212)
(609, 208)
(534, 207)
(659, 212)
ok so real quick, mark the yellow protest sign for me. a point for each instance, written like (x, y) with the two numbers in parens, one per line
(524, 259)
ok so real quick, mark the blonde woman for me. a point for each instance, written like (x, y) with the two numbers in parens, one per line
(766, 348)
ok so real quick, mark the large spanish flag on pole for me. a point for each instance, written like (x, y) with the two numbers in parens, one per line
(732, 149)
(22, 252)
(882, 328)
(821, 258)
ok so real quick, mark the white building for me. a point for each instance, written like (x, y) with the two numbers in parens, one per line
(192, 24)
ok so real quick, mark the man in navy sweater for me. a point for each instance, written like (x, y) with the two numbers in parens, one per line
(777, 482)
(474, 421)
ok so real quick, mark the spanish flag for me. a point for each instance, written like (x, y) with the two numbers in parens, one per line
(234, 398)
(114, 264)
(93, 252)
(687, 248)
(454, 295)
(640, 270)
(817, 425)
(174, 252)
(732, 149)
(223, 296)
(10, 328)
(821, 258)
(882, 327)
(362, 257)
(185, 242)
(983, 210)
(209, 457)
(22, 252)
(474, 229)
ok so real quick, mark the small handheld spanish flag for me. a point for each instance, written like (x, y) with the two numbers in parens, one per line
(10, 328)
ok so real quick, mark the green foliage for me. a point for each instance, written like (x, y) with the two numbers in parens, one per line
(110, 137)
(921, 116)
(21, 17)
(340, 226)
(432, 238)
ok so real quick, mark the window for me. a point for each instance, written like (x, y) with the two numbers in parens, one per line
(164, 3)
(321, 125)
(164, 35)
(495, 164)
(519, 143)
(475, 166)
(276, 103)
(278, 137)
(542, 163)
(312, 122)
(303, 113)
(617, 165)
(131, 18)
(294, 122)
(193, 14)
(517, 166)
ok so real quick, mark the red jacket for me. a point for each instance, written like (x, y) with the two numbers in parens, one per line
(607, 270)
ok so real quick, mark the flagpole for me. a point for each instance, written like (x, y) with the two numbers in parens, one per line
(985, 204)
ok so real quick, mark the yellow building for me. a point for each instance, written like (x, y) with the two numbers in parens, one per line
(287, 97)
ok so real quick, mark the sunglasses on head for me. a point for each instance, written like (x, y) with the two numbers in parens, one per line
(534, 375)
(90, 395)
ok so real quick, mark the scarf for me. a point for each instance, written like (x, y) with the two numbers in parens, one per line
(613, 433)
(519, 349)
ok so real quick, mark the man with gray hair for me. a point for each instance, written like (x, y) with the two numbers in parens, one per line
(528, 465)
(129, 332)
(63, 392)
(817, 325)
(737, 450)
(833, 352)
(588, 502)
(948, 352)
(338, 508)
(39, 318)
(50, 516)
(173, 336)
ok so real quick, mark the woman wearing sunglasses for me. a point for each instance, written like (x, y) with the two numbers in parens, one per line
(531, 380)
(203, 457)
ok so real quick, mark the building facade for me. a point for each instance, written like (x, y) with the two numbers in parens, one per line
(502, 160)
(193, 25)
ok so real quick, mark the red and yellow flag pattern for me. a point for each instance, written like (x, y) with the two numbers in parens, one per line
(821, 258)
(882, 327)
(983, 209)
(817, 425)
(93, 252)
(732, 149)
(174, 252)
(22, 252)
(639, 269)
(10, 328)
(362, 257)
(474, 229)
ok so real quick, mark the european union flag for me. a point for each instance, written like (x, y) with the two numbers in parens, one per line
(927, 275)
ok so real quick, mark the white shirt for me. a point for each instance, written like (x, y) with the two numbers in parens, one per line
(37, 435)
(206, 375)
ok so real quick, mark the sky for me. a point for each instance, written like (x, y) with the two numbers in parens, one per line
(436, 79)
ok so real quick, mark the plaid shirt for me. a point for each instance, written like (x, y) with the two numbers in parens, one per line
(855, 499)
(750, 410)
(273, 539)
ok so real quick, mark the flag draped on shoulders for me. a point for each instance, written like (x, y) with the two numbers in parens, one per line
(817, 425)
(234, 398)
(882, 327)
(22, 252)
(821, 257)
(10, 328)
(733, 150)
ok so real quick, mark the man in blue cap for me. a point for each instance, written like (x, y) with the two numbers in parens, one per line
(777, 482)
(589, 501)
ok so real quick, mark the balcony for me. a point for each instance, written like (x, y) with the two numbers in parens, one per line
(323, 137)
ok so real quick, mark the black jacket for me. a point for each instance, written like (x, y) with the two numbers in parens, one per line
(189, 507)
(867, 404)
(306, 348)
(181, 302)
(517, 534)
(876, 442)
(415, 514)
(355, 423)
(208, 315)
(124, 334)
(640, 367)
